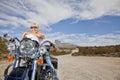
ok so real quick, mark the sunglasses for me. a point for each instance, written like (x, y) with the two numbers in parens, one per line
(33, 27)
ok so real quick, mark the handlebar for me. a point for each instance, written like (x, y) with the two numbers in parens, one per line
(17, 39)
(51, 44)
(11, 39)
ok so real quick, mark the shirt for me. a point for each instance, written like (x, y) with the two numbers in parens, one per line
(33, 37)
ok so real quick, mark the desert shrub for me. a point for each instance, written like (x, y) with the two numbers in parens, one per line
(3, 48)
(99, 51)
(56, 52)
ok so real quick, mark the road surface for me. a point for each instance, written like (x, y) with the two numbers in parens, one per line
(88, 68)
(84, 68)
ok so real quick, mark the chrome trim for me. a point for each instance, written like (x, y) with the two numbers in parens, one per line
(34, 70)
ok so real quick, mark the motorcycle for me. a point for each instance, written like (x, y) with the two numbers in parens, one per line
(28, 59)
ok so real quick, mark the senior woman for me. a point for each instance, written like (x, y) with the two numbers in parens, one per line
(34, 30)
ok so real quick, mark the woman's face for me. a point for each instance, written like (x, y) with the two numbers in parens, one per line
(34, 29)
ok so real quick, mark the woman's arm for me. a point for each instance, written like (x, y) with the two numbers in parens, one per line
(23, 35)
(40, 35)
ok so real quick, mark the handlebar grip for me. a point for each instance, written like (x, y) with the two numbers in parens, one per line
(12, 40)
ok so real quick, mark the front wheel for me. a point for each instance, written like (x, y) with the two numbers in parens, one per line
(44, 74)
(16, 73)
(8, 70)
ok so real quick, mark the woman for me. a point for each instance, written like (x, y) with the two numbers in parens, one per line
(34, 30)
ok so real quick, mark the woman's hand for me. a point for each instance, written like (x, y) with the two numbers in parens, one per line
(40, 35)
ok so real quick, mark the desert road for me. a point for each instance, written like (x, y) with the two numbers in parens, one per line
(88, 68)
(83, 68)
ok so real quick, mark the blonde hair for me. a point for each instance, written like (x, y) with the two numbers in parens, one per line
(34, 24)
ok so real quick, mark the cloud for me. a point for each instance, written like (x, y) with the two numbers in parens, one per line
(5, 31)
(43, 12)
(47, 12)
(86, 40)
(20, 13)
(92, 9)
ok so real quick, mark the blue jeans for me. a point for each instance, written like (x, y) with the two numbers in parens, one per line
(47, 57)
(48, 60)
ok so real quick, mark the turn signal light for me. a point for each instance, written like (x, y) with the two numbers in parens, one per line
(10, 58)
(40, 61)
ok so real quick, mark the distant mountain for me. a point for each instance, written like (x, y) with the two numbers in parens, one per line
(65, 45)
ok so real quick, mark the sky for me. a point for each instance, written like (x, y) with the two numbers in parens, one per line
(81, 22)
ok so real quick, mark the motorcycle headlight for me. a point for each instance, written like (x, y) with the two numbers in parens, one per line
(27, 47)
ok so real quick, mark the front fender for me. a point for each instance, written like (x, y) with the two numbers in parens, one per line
(6, 70)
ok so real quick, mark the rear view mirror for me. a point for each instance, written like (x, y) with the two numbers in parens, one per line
(6, 36)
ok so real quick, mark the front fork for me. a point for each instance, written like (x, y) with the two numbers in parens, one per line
(34, 67)
(17, 63)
